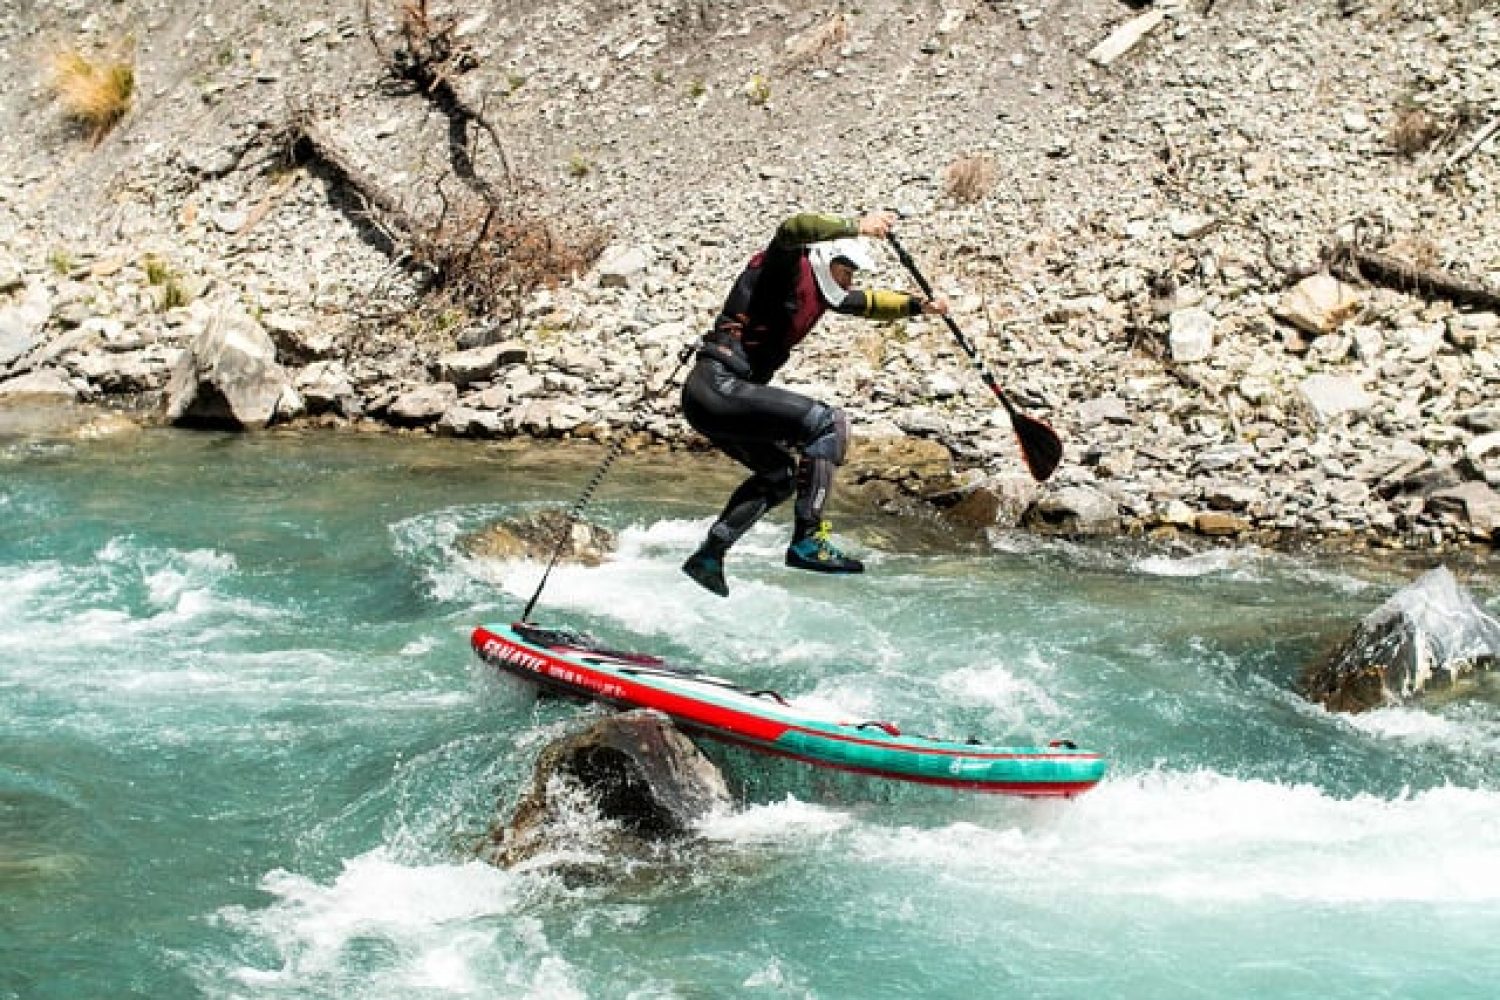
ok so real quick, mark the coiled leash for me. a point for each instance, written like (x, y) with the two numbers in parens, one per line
(616, 447)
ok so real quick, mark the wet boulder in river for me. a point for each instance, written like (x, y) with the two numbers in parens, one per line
(621, 788)
(1429, 637)
(536, 535)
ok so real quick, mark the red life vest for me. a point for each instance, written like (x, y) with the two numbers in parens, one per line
(767, 320)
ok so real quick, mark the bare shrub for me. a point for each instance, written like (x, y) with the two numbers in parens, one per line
(429, 50)
(969, 178)
(95, 92)
(488, 259)
(492, 244)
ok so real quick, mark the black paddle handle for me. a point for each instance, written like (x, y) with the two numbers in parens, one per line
(958, 334)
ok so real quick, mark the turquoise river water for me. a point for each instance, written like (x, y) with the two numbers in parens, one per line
(246, 752)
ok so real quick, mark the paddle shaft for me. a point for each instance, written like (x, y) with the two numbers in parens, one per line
(958, 334)
(1040, 446)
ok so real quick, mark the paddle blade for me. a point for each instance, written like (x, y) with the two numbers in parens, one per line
(1040, 446)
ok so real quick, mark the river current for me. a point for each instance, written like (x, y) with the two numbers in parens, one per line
(246, 751)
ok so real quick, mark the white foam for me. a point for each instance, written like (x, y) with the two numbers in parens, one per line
(420, 645)
(1013, 700)
(22, 588)
(1478, 738)
(1203, 836)
(840, 699)
(432, 926)
(1217, 562)
(789, 821)
(430, 541)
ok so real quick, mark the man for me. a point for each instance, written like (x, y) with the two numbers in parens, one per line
(791, 443)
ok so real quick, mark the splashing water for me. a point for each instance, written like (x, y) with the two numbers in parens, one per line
(249, 754)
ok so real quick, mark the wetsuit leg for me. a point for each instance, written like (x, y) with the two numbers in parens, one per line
(825, 448)
(769, 486)
(753, 424)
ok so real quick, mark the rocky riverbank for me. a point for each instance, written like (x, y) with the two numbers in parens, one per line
(1148, 267)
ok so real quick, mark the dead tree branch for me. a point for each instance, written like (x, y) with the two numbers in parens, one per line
(1468, 148)
(307, 140)
(1351, 261)
(426, 60)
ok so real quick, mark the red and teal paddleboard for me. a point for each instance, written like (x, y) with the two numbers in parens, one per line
(566, 662)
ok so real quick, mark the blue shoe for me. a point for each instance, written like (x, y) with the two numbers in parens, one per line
(707, 570)
(815, 552)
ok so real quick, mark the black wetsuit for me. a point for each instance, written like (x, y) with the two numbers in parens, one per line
(790, 442)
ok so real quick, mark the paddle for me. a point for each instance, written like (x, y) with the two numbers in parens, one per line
(1040, 446)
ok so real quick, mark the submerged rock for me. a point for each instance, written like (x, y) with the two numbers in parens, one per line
(40, 387)
(1428, 637)
(618, 789)
(536, 535)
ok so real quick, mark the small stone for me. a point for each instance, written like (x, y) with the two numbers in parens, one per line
(1192, 335)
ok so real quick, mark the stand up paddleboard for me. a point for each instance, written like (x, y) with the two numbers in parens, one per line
(566, 662)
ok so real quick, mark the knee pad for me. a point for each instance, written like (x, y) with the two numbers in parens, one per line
(828, 434)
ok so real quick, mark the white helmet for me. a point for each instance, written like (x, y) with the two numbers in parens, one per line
(851, 250)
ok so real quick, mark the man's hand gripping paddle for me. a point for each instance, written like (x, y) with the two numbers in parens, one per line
(1040, 445)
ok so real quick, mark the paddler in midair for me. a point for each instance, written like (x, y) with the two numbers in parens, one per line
(789, 442)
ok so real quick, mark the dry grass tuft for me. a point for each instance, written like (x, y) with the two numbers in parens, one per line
(1414, 130)
(969, 178)
(1418, 250)
(815, 43)
(95, 92)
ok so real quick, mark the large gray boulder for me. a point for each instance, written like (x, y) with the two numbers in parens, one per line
(325, 387)
(1474, 505)
(422, 405)
(1430, 636)
(623, 787)
(22, 322)
(1074, 510)
(480, 363)
(228, 378)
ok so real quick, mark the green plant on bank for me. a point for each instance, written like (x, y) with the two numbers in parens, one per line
(60, 261)
(431, 326)
(697, 89)
(514, 82)
(171, 293)
(579, 166)
(157, 271)
(546, 333)
(95, 91)
(758, 90)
